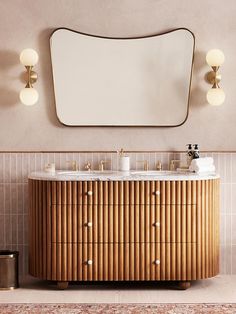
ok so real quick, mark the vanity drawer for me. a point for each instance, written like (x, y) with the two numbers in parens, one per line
(123, 223)
(123, 192)
(118, 262)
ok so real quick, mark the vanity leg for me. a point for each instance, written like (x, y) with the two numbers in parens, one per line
(183, 285)
(62, 285)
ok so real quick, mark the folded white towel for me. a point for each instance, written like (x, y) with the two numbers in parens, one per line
(202, 169)
(202, 161)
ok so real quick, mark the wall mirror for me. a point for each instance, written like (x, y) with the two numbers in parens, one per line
(101, 81)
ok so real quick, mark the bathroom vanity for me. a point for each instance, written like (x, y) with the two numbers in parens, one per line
(111, 226)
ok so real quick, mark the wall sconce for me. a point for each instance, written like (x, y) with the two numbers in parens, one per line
(215, 96)
(29, 95)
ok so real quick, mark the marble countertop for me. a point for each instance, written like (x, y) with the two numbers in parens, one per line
(66, 175)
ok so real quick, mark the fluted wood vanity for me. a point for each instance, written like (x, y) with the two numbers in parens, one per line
(123, 228)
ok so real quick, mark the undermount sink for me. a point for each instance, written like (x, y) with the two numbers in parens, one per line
(155, 173)
(85, 173)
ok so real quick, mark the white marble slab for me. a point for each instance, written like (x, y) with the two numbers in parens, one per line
(61, 175)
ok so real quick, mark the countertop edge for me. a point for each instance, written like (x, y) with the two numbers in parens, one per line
(44, 176)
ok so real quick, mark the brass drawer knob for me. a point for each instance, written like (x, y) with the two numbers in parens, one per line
(157, 224)
(90, 193)
(157, 262)
(157, 192)
(89, 262)
(89, 224)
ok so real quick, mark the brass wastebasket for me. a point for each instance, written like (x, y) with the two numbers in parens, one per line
(9, 270)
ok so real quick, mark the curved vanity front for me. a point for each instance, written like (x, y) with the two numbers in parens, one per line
(119, 227)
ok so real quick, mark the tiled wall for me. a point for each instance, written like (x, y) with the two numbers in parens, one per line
(15, 167)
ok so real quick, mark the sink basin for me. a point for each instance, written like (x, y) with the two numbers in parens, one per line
(84, 173)
(155, 173)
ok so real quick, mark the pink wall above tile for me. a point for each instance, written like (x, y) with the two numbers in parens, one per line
(27, 23)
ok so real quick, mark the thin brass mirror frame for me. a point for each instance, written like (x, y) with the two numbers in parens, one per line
(128, 38)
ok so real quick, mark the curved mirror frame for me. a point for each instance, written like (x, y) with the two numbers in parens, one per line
(103, 81)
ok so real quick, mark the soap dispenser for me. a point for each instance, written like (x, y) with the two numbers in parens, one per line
(189, 154)
(195, 151)
(124, 161)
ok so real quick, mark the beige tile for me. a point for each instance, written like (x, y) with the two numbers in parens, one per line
(52, 157)
(1, 168)
(152, 161)
(233, 156)
(7, 197)
(20, 229)
(133, 159)
(225, 259)
(223, 230)
(25, 199)
(25, 259)
(7, 167)
(222, 167)
(228, 170)
(233, 192)
(25, 229)
(2, 198)
(233, 259)
(57, 161)
(19, 171)
(20, 198)
(2, 231)
(228, 231)
(32, 162)
(8, 229)
(63, 163)
(115, 165)
(14, 198)
(39, 165)
(15, 227)
(25, 167)
(233, 223)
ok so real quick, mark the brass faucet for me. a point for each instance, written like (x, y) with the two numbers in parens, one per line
(159, 165)
(102, 163)
(172, 164)
(88, 166)
(145, 164)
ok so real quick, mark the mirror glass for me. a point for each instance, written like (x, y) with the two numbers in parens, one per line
(122, 81)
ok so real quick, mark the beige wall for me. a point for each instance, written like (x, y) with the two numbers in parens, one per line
(27, 23)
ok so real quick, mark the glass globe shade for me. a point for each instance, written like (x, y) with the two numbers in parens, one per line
(215, 96)
(215, 57)
(29, 57)
(29, 96)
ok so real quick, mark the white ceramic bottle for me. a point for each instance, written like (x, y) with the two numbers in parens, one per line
(124, 161)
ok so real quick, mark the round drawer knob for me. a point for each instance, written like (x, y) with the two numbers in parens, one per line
(89, 262)
(89, 224)
(90, 193)
(157, 193)
(157, 224)
(157, 262)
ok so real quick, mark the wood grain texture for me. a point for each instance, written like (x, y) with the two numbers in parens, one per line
(131, 230)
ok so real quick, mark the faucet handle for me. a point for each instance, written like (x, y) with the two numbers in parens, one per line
(159, 165)
(102, 163)
(145, 164)
(88, 166)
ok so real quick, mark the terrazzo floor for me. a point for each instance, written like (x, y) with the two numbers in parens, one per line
(221, 289)
(71, 308)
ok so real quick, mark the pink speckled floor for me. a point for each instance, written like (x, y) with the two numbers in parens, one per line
(117, 308)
